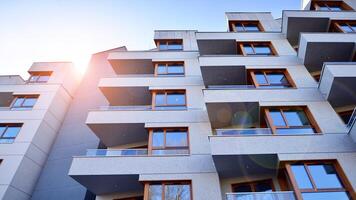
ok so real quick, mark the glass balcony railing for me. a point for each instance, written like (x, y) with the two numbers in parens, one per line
(351, 120)
(283, 195)
(117, 152)
(138, 107)
(249, 131)
(231, 87)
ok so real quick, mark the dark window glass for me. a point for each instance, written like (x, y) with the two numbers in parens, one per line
(161, 69)
(323, 8)
(301, 177)
(262, 50)
(158, 139)
(242, 188)
(353, 27)
(277, 78)
(175, 69)
(251, 28)
(33, 78)
(263, 187)
(335, 8)
(43, 79)
(248, 49)
(163, 46)
(176, 139)
(346, 28)
(324, 176)
(175, 99)
(325, 196)
(277, 118)
(174, 192)
(239, 27)
(296, 118)
(175, 46)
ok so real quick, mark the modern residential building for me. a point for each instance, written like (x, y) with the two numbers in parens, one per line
(31, 113)
(264, 110)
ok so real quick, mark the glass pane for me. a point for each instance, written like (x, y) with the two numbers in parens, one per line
(325, 196)
(175, 99)
(18, 102)
(262, 50)
(325, 176)
(239, 27)
(301, 177)
(29, 102)
(33, 78)
(335, 8)
(157, 139)
(175, 46)
(346, 28)
(260, 78)
(12, 131)
(292, 131)
(251, 28)
(248, 49)
(170, 151)
(242, 188)
(2, 129)
(175, 192)
(277, 118)
(263, 187)
(160, 99)
(176, 139)
(277, 78)
(163, 46)
(353, 28)
(296, 118)
(6, 141)
(175, 69)
(43, 79)
(161, 69)
(155, 192)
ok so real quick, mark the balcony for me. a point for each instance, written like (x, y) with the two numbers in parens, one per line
(280, 195)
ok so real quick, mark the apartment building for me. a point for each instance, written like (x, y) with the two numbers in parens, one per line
(31, 113)
(263, 110)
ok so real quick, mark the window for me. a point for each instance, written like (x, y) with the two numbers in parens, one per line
(329, 6)
(132, 198)
(169, 190)
(256, 186)
(169, 100)
(290, 120)
(24, 102)
(319, 180)
(169, 45)
(255, 49)
(343, 26)
(271, 78)
(8, 132)
(39, 77)
(245, 26)
(169, 141)
(169, 69)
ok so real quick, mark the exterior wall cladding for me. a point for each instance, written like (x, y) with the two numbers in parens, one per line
(262, 111)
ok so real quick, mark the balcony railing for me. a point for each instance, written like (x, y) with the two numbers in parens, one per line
(116, 152)
(352, 119)
(282, 195)
(249, 131)
(138, 107)
(231, 87)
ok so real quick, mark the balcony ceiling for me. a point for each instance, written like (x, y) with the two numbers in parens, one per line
(132, 66)
(6, 99)
(123, 96)
(343, 92)
(217, 47)
(223, 75)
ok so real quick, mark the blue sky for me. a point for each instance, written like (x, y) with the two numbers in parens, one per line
(71, 30)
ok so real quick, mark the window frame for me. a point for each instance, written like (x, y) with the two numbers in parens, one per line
(167, 64)
(315, 5)
(39, 74)
(25, 97)
(232, 25)
(166, 43)
(336, 27)
(166, 92)
(269, 120)
(241, 50)
(340, 173)
(150, 140)
(163, 183)
(252, 72)
(7, 125)
(253, 184)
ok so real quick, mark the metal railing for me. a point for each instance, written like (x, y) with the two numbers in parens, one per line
(247, 131)
(116, 152)
(138, 107)
(281, 195)
(232, 87)
(352, 119)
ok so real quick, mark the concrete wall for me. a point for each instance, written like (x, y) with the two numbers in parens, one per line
(265, 18)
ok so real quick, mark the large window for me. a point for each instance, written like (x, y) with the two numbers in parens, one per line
(256, 49)
(329, 6)
(169, 100)
(343, 26)
(8, 132)
(169, 141)
(24, 102)
(256, 186)
(290, 120)
(245, 26)
(169, 191)
(169, 69)
(319, 180)
(169, 45)
(271, 78)
(39, 77)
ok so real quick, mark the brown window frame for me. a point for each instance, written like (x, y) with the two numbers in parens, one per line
(150, 140)
(166, 92)
(167, 42)
(156, 64)
(269, 120)
(315, 5)
(38, 75)
(25, 97)
(163, 183)
(241, 51)
(347, 187)
(252, 72)
(253, 184)
(232, 26)
(7, 125)
(336, 27)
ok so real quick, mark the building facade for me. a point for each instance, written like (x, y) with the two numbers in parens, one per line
(264, 110)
